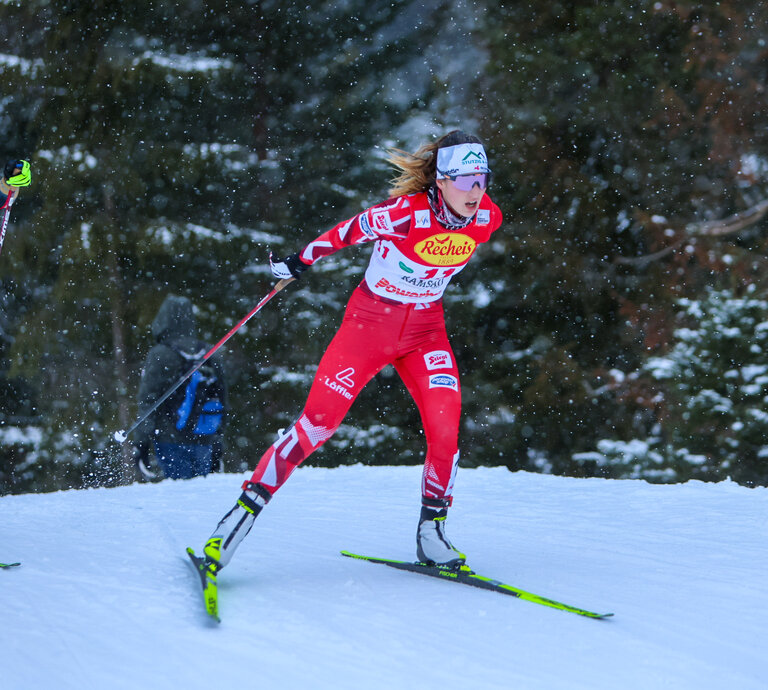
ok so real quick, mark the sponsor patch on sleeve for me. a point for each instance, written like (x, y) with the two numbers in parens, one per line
(382, 221)
(443, 381)
(365, 226)
(483, 217)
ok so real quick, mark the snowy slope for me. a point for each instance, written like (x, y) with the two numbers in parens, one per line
(104, 599)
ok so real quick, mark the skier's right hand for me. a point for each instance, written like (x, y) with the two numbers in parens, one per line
(17, 173)
(289, 267)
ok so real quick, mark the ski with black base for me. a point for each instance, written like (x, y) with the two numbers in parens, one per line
(9, 565)
(465, 575)
(207, 582)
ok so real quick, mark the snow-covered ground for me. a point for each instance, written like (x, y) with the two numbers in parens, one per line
(104, 598)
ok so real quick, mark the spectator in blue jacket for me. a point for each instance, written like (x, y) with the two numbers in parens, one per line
(185, 432)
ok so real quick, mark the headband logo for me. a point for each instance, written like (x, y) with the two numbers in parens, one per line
(479, 157)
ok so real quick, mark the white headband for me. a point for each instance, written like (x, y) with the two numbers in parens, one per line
(462, 159)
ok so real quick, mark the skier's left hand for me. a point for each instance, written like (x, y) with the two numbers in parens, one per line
(17, 173)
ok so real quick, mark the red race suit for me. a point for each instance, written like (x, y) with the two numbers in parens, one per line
(395, 316)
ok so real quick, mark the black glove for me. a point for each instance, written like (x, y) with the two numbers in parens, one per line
(141, 457)
(17, 179)
(289, 267)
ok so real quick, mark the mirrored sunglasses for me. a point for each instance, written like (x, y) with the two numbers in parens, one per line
(466, 182)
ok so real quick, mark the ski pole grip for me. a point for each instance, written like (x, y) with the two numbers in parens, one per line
(282, 283)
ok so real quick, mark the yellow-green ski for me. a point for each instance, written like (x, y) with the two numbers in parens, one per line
(467, 576)
(207, 578)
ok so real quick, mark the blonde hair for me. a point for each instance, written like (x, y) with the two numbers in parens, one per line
(418, 170)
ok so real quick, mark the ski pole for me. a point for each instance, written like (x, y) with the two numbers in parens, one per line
(121, 436)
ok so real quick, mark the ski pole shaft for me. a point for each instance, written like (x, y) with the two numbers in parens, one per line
(3, 226)
(6, 214)
(121, 436)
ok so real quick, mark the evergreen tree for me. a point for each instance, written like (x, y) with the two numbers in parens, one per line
(709, 392)
(618, 129)
(172, 145)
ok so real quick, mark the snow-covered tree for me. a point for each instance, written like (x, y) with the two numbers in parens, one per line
(172, 145)
(711, 397)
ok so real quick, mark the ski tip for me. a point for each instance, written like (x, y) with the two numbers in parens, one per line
(589, 614)
(196, 560)
(349, 554)
(9, 565)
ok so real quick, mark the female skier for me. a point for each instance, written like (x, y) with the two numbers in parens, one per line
(423, 236)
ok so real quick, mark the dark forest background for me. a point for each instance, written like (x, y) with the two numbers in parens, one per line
(616, 326)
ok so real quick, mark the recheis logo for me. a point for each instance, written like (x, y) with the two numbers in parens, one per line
(450, 249)
(444, 381)
(438, 359)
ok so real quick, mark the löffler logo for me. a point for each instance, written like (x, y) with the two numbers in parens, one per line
(342, 383)
(345, 377)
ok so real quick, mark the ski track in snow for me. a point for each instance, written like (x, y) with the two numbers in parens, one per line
(103, 598)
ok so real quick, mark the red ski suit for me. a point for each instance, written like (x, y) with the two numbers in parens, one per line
(395, 316)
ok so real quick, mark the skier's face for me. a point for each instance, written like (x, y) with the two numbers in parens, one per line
(463, 203)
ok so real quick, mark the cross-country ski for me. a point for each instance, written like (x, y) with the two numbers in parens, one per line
(465, 575)
(207, 583)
